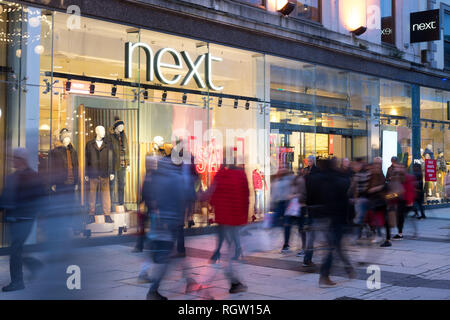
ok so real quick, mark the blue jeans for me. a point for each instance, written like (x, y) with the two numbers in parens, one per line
(259, 201)
(361, 209)
(335, 235)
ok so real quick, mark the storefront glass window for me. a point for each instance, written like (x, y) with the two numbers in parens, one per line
(434, 141)
(395, 116)
(164, 92)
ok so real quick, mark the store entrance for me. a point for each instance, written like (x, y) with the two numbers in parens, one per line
(300, 145)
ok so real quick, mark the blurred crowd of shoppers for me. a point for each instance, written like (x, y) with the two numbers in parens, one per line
(342, 197)
(333, 196)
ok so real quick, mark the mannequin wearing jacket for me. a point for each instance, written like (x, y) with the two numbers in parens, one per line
(64, 164)
(259, 183)
(99, 171)
(121, 159)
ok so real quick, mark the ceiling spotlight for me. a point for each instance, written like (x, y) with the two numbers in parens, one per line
(114, 90)
(359, 31)
(432, 125)
(164, 96)
(287, 8)
(47, 86)
(219, 103)
(236, 103)
(92, 88)
(396, 122)
(184, 98)
(145, 94)
(68, 85)
(247, 105)
(426, 125)
(389, 121)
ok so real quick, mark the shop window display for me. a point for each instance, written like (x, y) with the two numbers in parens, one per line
(434, 133)
(87, 100)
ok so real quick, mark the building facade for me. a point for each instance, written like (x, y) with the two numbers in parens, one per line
(276, 87)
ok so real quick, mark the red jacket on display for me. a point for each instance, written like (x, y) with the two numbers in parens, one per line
(410, 190)
(258, 180)
(230, 197)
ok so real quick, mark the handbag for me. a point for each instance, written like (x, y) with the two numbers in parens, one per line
(293, 209)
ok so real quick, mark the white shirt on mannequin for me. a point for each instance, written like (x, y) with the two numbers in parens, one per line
(99, 143)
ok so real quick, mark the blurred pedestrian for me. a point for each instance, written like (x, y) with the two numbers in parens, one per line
(22, 197)
(168, 194)
(390, 171)
(315, 200)
(230, 200)
(406, 197)
(294, 214)
(377, 198)
(360, 186)
(420, 192)
(335, 208)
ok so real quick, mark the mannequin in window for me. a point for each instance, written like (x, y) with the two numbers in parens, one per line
(64, 164)
(64, 182)
(99, 171)
(259, 185)
(428, 153)
(441, 166)
(121, 159)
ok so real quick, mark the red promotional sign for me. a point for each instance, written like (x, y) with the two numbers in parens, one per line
(430, 170)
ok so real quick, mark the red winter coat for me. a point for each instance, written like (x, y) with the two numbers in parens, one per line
(410, 189)
(230, 198)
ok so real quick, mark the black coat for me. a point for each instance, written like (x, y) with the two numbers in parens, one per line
(23, 195)
(99, 162)
(113, 139)
(58, 164)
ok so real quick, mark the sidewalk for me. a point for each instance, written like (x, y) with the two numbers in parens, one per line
(410, 269)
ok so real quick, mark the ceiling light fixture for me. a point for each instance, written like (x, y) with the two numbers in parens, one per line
(184, 98)
(359, 31)
(286, 8)
(114, 90)
(236, 103)
(164, 96)
(92, 88)
(68, 85)
(219, 103)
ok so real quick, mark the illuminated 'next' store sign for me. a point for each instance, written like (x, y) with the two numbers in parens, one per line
(154, 64)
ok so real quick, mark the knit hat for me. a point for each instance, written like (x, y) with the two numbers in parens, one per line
(63, 133)
(118, 123)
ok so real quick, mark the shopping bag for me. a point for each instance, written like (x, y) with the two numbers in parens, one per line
(376, 218)
(293, 209)
(269, 220)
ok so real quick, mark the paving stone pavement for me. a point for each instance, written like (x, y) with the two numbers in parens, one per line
(414, 268)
